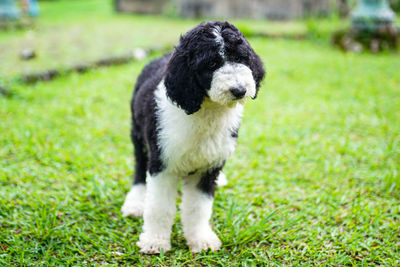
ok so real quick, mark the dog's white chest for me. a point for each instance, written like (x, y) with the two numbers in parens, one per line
(198, 141)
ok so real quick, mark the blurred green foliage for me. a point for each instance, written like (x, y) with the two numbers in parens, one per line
(395, 4)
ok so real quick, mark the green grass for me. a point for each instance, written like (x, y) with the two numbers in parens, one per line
(314, 180)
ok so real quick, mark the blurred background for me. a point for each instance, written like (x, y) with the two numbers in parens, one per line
(61, 34)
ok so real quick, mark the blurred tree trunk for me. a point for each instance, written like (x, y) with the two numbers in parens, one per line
(343, 8)
(117, 6)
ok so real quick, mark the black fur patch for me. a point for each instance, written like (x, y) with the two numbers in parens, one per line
(144, 120)
(207, 183)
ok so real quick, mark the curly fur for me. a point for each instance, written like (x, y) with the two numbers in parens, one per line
(186, 112)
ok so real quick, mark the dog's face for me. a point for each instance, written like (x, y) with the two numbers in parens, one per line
(212, 60)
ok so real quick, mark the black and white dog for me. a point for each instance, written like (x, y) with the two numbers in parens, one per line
(186, 112)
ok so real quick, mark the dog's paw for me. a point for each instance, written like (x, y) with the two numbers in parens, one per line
(152, 244)
(134, 202)
(204, 241)
(221, 180)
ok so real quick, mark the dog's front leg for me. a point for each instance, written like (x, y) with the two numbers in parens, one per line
(196, 212)
(159, 213)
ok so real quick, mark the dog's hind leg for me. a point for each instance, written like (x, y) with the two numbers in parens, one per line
(159, 213)
(197, 201)
(134, 202)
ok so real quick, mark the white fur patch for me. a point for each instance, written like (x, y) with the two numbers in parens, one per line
(152, 244)
(221, 179)
(159, 213)
(231, 75)
(134, 202)
(197, 141)
(196, 212)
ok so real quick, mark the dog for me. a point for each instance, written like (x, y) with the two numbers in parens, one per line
(186, 111)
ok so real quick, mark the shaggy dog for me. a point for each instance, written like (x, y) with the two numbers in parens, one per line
(186, 111)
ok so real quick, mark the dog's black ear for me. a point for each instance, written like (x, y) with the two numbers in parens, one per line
(180, 81)
(257, 68)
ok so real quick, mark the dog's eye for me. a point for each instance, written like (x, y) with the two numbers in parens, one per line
(212, 65)
(236, 58)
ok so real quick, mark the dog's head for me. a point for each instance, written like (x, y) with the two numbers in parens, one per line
(212, 60)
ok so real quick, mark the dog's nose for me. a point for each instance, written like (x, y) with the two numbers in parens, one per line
(238, 92)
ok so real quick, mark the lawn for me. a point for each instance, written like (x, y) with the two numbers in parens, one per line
(314, 180)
